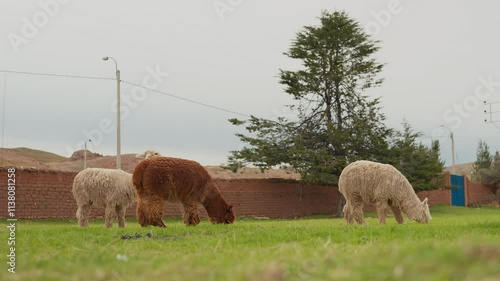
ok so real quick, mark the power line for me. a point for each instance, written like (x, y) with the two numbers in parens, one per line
(55, 75)
(134, 84)
(190, 100)
(492, 113)
(205, 104)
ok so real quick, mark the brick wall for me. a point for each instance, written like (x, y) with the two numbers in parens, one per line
(47, 194)
(40, 194)
(268, 198)
(279, 198)
(440, 196)
(477, 193)
(436, 197)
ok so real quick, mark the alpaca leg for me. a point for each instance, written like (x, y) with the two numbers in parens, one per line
(141, 213)
(397, 214)
(357, 212)
(356, 209)
(150, 211)
(191, 216)
(359, 215)
(348, 213)
(382, 210)
(120, 213)
(109, 215)
(82, 214)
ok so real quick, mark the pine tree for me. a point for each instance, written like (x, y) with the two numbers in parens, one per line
(483, 159)
(420, 164)
(491, 176)
(336, 124)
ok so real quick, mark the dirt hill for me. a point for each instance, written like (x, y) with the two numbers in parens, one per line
(462, 169)
(28, 158)
(39, 155)
(37, 159)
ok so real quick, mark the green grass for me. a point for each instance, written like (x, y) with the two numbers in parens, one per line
(458, 244)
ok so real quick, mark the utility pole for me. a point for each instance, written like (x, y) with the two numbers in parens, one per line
(452, 150)
(85, 155)
(118, 121)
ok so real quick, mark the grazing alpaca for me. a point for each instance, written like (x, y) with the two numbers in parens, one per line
(161, 179)
(370, 182)
(148, 154)
(107, 188)
(111, 189)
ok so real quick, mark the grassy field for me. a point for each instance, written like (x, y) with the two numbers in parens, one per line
(458, 244)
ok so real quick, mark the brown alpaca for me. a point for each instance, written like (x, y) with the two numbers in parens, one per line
(161, 179)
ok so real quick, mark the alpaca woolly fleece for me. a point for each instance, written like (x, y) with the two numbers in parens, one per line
(111, 189)
(108, 188)
(161, 179)
(371, 182)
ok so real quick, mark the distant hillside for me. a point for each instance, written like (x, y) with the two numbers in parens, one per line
(38, 155)
(109, 162)
(10, 158)
(37, 159)
(462, 169)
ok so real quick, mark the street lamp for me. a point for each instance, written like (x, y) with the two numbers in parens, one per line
(85, 155)
(452, 150)
(118, 123)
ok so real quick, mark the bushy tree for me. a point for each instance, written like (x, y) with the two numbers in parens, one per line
(486, 169)
(491, 176)
(336, 123)
(483, 159)
(420, 164)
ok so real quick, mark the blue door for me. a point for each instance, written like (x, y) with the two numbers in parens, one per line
(458, 193)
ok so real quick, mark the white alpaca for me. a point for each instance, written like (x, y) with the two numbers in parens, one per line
(382, 184)
(108, 188)
(148, 154)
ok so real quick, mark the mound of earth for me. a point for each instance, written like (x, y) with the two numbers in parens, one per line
(80, 155)
(12, 158)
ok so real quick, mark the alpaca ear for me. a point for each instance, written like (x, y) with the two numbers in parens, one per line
(425, 201)
(229, 208)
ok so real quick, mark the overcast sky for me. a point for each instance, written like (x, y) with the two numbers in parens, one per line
(442, 61)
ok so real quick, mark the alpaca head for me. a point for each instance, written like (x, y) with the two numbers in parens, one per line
(423, 215)
(230, 217)
(148, 154)
(227, 218)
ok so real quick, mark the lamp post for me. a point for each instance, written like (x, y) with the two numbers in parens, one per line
(85, 155)
(118, 123)
(452, 150)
